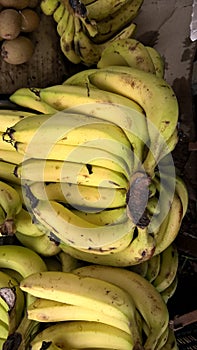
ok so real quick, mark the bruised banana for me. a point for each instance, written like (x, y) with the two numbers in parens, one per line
(68, 227)
(127, 52)
(11, 203)
(146, 298)
(83, 291)
(78, 196)
(151, 94)
(7, 173)
(83, 333)
(108, 28)
(44, 310)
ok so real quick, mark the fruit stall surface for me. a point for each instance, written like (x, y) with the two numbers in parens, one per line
(165, 25)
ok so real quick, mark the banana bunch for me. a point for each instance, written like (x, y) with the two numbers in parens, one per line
(87, 28)
(79, 313)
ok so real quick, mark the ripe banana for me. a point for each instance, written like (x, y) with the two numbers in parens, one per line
(80, 78)
(5, 146)
(43, 310)
(7, 173)
(4, 330)
(98, 10)
(108, 28)
(42, 245)
(10, 117)
(168, 268)
(170, 290)
(25, 224)
(75, 231)
(127, 52)
(182, 192)
(11, 156)
(157, 61)
(146, 298)
(68, 262)
(11, 203)
(67, 41)
(26, 97)
(171, 343)
(63, 22)
(77, 154)
(86, 292)
(78, 334)
(58, 13)
(79, 195)
(21, 259)
(103, 217)
(49, 6)
(151, 94)
(153, 268)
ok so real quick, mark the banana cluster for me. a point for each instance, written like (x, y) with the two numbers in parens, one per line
(87, 27)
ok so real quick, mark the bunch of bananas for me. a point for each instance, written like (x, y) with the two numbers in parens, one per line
(93, 306)
(87, 27)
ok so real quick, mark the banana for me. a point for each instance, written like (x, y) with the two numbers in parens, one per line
(171, 343)
(48, 7)
(78, 154)
(68, 262)
(2, 341)
(58, 13)
(98, 10)
(162, 339)
(78, 334)
(103, 217)
(108, 28)
(151, 93)
(42, 245)
(28, 98)
(182, 192)
(168, 268)
(147, 299)
(170, 290)
(80, 78)
(69, 172)
(25, 224)
(127, 52)
(67, 41)
(43, 310)
(63, 22)
(10, 117)
(11, 156)
(153, 207)
(12, 301)
(75, 231)
(11, 203)
(78, 195)
(140, 249)
(141, 268)
(79, 12)
(168, 147)
(21, 259)
(157, 61)
(5, 146)
(7, 173)
(153, 268)
(87, 292)
(4, 330)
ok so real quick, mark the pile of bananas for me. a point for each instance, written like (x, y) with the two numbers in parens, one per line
(91, 194)
(87, 27)
(59, 302)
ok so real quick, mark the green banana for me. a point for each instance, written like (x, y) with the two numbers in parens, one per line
(98, 10)
(83, 333)
(67, 41)
(11, 203)
(151, 93)
(153, 268)
(79, 196)
(157, 61)
(170, 290)
(182, 192)
(7, 173)
(58, 13)
(127, 52)
(44, 310)
(49, 6)
(63, 22)
(147, 299)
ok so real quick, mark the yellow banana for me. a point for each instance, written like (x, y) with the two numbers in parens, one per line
(98, 10)
(171, 343)
(80, 78)
(182, 192)
(67, 41)
(11, 203)
(25, 224)
(127, 52)
(44, 310)
(4, 330)
(168, 268)
(27, 97)
(157, 61)
(58, 13)
(63, 22)
(42, 245)
(151, 93)
(68, 262)
(141, 268)
(103, 217)
(170, 290)
(153, 268)
(87, 292)
(83, 333)
(11, 156)
(5, 146)
(68, 228)
(146, 298)
(79, 196)
(10, 117)
(53, 262)
(7, 173)
(49, 6)
(108, 28)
